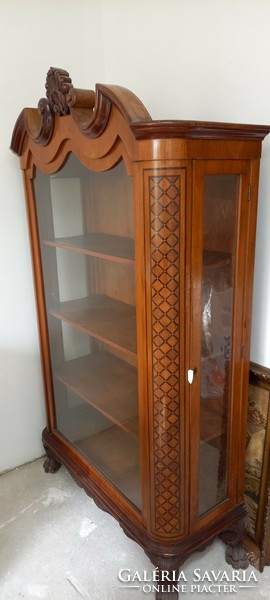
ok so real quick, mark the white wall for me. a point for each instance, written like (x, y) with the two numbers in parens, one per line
(208, 60)
(34, 35)
(184, 59)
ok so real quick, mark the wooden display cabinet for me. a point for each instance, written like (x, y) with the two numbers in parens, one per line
(142, 236)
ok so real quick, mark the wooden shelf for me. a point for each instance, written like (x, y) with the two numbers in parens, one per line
(107, 384)
(110, 247)
(108, 320)
(212, 259)
(117, 456)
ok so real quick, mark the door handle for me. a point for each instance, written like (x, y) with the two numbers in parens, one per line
(190, 376)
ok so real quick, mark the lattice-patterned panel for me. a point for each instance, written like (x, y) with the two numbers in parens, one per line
(165, 274)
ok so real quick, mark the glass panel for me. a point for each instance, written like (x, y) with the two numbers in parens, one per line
(219, 234)
(85, 224)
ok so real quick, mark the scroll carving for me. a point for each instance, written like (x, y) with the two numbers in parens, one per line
(233, 537)
(44, 134)
(90, 110)
(58, 85)
(37, 123)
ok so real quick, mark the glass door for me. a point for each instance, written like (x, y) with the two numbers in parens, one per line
(221, 194)
(85, 223)
(220, 220)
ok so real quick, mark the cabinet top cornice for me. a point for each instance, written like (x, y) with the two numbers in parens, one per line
(91, 112)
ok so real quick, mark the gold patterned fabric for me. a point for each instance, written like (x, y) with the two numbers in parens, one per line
(256, 432)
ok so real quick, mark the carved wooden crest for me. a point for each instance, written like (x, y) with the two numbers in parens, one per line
(58, 85)
(90, 110)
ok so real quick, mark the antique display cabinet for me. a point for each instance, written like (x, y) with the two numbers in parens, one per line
(142, 236)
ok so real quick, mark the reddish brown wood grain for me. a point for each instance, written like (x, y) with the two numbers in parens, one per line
(166, 162)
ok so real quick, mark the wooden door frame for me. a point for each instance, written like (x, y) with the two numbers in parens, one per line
(236, 441)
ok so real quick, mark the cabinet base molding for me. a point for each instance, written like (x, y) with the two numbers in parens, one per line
(164, 556)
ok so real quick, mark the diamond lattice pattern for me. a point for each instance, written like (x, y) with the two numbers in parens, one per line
(165, 242)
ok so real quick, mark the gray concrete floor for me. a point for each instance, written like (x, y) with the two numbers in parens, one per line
(57, 545)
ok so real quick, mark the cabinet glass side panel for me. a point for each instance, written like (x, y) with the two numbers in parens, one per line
(219, 241)
(85, 223)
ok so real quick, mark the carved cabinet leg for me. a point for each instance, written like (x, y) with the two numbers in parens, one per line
(168, 571)
(167, 590)
(51, 464)
(236, 555)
